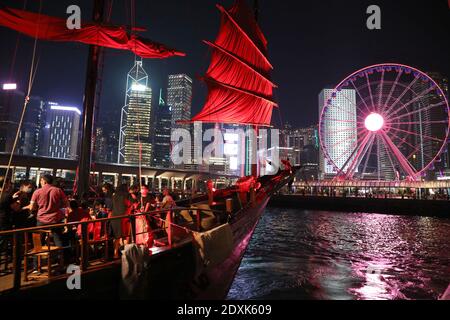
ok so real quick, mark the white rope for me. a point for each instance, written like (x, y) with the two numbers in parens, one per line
(33, 69)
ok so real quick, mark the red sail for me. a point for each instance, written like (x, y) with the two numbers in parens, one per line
(54, 29)
(239, 87)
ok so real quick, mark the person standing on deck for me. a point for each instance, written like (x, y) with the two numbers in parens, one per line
(49, 202)
(23, 218)
(120, 207)
(167, 201)
(148, 201)
(108, 191)
(5, 200)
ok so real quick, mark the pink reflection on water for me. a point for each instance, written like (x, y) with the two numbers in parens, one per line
(377, 283)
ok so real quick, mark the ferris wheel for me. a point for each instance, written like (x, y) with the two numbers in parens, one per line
(383, 122)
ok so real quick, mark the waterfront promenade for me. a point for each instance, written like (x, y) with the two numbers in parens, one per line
(405, 206)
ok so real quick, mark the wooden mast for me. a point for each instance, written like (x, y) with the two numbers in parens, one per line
(254, 166)
(84, 160)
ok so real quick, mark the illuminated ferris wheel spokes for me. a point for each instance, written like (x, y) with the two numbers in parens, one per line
(387, 121)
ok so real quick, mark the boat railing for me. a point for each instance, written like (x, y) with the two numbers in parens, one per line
(89, 245)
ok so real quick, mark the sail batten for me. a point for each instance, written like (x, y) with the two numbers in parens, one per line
(267, 99)
(240, 89)
(246, 36)
(249, 67)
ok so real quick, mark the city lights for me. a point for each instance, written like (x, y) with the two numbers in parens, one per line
(138, 87)
(65, 108)
(9, 86)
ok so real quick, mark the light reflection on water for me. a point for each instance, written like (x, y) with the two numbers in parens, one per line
(303, 254)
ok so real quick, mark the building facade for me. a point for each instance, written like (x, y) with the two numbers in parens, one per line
(339, 136)
(30, 136)
(100, 145)
(179, 98)
(161, 137)
(61, 131)
(135, 141)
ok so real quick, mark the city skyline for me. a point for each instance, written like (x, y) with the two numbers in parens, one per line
(225, 150)
(180, 88)
(299, 73)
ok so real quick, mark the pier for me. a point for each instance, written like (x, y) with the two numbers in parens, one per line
(435, 208)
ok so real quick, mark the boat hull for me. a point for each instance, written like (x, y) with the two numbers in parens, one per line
(169, 274)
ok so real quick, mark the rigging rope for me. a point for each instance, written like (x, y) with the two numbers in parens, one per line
(33, 70)
(133, 29)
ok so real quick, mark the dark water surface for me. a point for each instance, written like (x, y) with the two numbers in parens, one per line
(304, 254)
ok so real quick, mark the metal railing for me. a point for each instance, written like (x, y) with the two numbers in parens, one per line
(19, 240)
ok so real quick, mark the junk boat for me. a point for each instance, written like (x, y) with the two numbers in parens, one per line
(199, 247)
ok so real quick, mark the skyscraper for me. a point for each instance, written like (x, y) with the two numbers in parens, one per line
(61, 131)
(30, 140)
(340, 136)
(161, 137)
(135, 140)
(179, 98)
(298, 139)
(112, 145)
(101, 145)
(426, 122)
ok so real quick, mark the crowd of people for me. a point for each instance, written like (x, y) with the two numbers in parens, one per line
(49, 205)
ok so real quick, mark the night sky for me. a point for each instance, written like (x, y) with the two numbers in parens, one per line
(311, 45)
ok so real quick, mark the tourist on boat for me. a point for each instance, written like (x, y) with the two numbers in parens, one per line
(120, 207)
(108, 191)
(23, 218)
(5, 221)
(287, 165)
(134, 198)
(148, 200)
(75, 213)
(5, 200)
(167, 201)
(99, 210)
(49, 201)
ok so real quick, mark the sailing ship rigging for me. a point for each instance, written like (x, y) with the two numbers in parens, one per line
(240, 89)
(97, 35)
(205, 237)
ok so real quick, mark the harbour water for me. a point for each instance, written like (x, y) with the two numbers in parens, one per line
(303, 254)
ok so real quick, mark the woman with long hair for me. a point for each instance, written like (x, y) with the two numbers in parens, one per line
(120, 206)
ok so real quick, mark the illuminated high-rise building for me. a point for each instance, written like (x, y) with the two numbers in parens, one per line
(161, 137)
(341, 133)
(179, 98)
(101, 145)
(61, 131)
(135, 145)
(30, 139)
